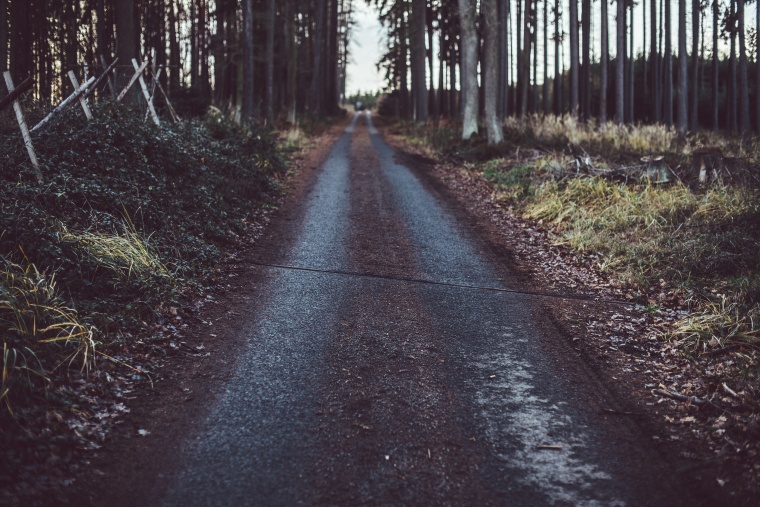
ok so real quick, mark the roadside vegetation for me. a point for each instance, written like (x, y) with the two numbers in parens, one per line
(131, 223)
(680, 243)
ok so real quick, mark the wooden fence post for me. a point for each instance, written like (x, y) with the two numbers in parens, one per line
(145, 91)
(82, 99)
(77, 93)
(22, 125)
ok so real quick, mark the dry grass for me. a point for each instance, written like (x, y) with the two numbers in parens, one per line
(125, 253)
(39, 333)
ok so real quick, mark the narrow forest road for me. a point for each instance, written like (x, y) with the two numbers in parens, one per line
(391, 359)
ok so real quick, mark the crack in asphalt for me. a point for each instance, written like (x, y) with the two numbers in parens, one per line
(423, 281)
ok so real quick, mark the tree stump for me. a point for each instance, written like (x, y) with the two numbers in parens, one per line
(707, 165)
(656, 170)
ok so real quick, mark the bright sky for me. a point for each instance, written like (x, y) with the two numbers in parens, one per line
(365, 49)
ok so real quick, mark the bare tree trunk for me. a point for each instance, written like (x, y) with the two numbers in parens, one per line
(4, 35)
(315, 93)
(757, 69)
(125, 40)
(603, 64)
(668, 71)
(695, 22)
(503, 58)
(174, 56)
(557, 73)
(292, 52)
(715, 89)
(431, 98)
(630, 76)
(246, 112)
(270, 63)
(469, 67)
(491, 81)
(620, 64)
(585, 84)
(732, 102)
(654, 61)
(683, 71)
(525, 58)
(744, 126)
(419, 90)
(574, 58)
(545, 93)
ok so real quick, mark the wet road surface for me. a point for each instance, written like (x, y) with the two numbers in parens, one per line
(383, 390)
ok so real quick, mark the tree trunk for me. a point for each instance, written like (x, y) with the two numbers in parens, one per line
(525, 58)
(270, 63)
(574, 57)
(683, 71)
(246, 112)
(315, 93)
(732, 102)
(585, 84)
(620, 64)
(603, 61)
(174, 54)
(419, 85)
(757, 69)
(491, 81)
(4, 35)
(668, 71)
(431, 99)
(654, 62)
(503, 58)
(292, 52)
(557, 73)
(630, 76)
(469, 67)
(715, 89)
(695, 22)
(126, 44)
(744, 126)
(545, 93)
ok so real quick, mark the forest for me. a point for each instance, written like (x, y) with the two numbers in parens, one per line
(692, 65)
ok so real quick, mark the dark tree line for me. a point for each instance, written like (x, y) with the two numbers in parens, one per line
(260, 58)
(474, 60)
(485, 49)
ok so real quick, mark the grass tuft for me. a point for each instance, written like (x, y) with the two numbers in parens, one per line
(39, 333)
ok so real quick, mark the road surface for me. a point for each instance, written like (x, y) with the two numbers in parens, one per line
(393, 360)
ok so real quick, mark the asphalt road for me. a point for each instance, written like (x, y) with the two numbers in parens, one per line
(372, 376)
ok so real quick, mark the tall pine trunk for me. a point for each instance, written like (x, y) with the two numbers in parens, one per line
(668, 70)
(419, 90)
(695, 22)
(744, 126)
(715, 68)
(732, 101)
(585, 84)
(317, 77)
(574, 57)
(525, 58)
(247, 99)
(683, 71)
(603, 63)
(269, 97)
(469, 67)
(491, 80)
(654, 62)
(620, 64)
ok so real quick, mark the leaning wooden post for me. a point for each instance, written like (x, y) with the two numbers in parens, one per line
(82, 99)
(156, 77)
(24, 129)
(132, 81)
(77, 93)
(103, 76)
(145, 91)
(108, 69)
